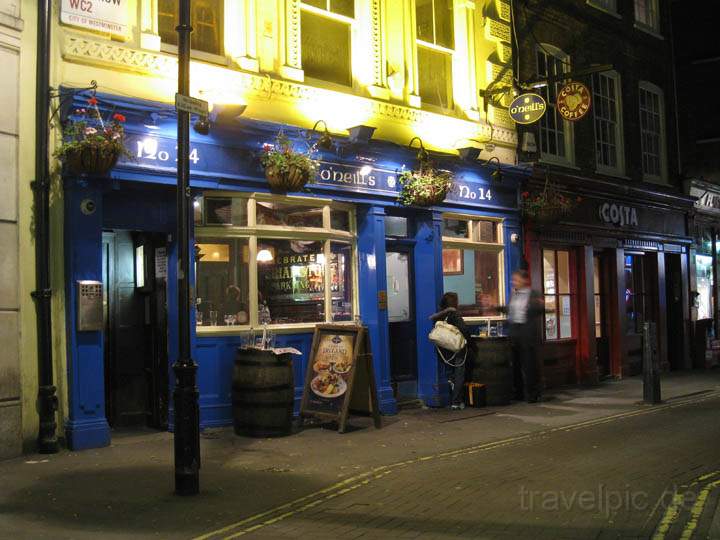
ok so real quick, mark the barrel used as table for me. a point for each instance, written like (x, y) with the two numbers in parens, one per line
(492, 366)
(262, 393)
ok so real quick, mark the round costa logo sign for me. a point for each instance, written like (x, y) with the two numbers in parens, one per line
(527, 108)
(573, 101)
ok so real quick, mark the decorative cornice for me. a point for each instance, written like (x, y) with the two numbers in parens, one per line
(86, 50)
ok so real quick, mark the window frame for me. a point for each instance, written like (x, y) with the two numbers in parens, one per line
(197, 54)
(255, 232)
(352, 26)
(551, 51)
(619, 168)
(599, 4)
(434, 47)
(652, 10)
(572, 278)
(452, 242)
(646, 86)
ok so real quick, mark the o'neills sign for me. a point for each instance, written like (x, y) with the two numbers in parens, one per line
(618, 215)
(527, 108)
(100, 15)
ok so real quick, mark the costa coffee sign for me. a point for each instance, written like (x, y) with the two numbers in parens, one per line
(573, 101)
(618, 215)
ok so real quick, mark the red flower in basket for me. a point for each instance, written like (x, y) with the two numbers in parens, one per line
(525, 194)
(119, 117)
(93, 101)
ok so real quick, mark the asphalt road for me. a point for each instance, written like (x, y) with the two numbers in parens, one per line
(635, 476)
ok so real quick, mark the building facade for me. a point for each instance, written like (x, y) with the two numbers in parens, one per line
(406, 74)
(619, 254)
(697, 61)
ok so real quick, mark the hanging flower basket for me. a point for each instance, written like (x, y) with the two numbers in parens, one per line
(286, 169)
(548, 206)
(91, 145)
(425, 186)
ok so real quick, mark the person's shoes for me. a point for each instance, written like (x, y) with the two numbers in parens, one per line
(457, 406)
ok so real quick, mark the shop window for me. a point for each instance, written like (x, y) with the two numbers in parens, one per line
(597, 287)
(472, 262)
(284, 262)
(646, 14)
(705, 283)
(555, 133)
(652, 132)
(558, 294)
(326, 35)
(608, 123)
(206, 18)
(638, 306)
(435, 47)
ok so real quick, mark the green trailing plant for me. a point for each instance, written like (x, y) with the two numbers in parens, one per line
(91, 144)
(285, 168)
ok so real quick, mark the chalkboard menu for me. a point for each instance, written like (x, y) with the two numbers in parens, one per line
(339, 360)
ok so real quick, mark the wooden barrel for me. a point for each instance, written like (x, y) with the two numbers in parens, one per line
(492, 367)
(263, 393)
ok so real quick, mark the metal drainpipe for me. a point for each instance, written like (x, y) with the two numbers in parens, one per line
(47, 442)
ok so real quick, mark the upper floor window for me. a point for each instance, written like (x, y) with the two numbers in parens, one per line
(555, 133)
(608, 122)
(206, 18)
(607, 5)
(647, 15)
(435, 46)
(652, 132)
(326, 35)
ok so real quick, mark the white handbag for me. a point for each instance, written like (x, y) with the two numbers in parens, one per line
(446, 336)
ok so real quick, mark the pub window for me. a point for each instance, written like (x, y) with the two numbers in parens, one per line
(608, 123)
(326, 36)
(263, 260)
(652, 132)
(206, 18)
(472, 262)
(559, 295)
(647, 15)
(435, 47)
(555, 133)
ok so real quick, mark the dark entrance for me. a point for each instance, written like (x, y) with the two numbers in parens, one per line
(602, 288)
(401, 318)
(135, 337)
(675, 319)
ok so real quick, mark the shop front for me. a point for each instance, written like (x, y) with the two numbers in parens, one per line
(344, 250)
(703, 273)
(618, 259)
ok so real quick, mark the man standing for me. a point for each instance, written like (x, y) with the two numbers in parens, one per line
(525, 306)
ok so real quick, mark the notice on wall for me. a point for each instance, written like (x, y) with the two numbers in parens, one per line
(160, 263)
(99, 15)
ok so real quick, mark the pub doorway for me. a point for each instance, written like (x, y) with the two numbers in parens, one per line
(602, 296)
(134, 266)
(675, 319)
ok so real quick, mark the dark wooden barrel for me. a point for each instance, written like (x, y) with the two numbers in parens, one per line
(262, 393)
(492, 367)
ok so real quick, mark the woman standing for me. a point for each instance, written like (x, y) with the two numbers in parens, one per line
(448, 313)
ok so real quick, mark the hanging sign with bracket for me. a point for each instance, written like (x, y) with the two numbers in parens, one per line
(573, 101)
(527, 108)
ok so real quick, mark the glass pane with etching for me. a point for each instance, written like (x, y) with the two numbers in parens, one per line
(326, 49)
(341, 283)
(288, 214)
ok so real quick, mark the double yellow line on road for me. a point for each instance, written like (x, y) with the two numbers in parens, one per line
(672, 513)
(300, 505)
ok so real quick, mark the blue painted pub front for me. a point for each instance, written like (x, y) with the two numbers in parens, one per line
(140, 198)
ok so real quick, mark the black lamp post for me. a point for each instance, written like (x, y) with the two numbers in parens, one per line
(185, 396)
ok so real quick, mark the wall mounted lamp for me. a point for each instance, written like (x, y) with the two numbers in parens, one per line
(325, 141)
(469, 153)
(361, 134)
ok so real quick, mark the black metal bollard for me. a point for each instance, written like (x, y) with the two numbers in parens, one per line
(651, 364)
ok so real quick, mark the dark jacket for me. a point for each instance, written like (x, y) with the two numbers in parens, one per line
(451, 316)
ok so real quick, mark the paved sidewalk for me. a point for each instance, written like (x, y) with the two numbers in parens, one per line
(126, 489)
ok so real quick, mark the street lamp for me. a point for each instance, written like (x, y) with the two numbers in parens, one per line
(185, 395)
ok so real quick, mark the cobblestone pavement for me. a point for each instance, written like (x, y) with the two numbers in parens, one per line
(616, 478)
(508, 472)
